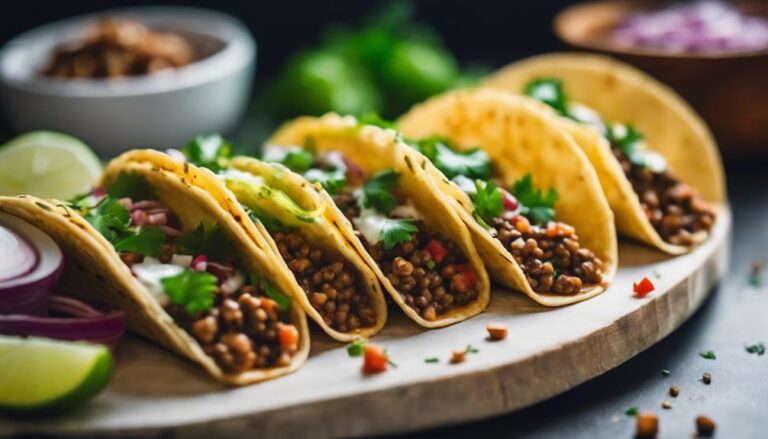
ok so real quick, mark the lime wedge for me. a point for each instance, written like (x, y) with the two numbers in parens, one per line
(47, 165)
(43, 374)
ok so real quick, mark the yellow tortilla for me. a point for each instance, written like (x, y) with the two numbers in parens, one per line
(375, 149)
(520, 139)
(624, 94)
(95, 271)
(319, 234)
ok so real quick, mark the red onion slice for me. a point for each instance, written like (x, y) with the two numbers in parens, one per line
(17, 256)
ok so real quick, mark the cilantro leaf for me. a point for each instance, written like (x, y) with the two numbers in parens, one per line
(109, 218)
(709, 355)
(377, 192)
(132, 186)
(432, 360)
(356, 348)
(665, 372)
(488, 200)
(549, 91)
(375, 119)
(627, 138)
(535, 204)
(632, 411)
(757, 348)
(148, 241)
(472, 163)
(397, 231)
(192, 290)
(332, 181)
(298, 160)
(207, 239)
(206, 151)
(283, 301)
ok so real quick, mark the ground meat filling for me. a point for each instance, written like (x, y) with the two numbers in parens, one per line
(334, 288)
(674, 209)
(430, 287)
(550, 256)
(242, 331)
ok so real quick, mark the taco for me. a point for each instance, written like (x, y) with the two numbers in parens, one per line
(181, 268)
(391, 212)
(656, 160)
(524, 189)
(284, 216)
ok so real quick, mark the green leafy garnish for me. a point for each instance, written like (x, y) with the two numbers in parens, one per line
(471, 349)
(375, 119)
(147, 241)
(192, 290)
(757, 348)
(535, 204)
(665, 372)
(432, 360)
(270, 223)
(131, 185)
(207, 239)
(430, 264)
(549, 91)
(627, 138)
(397, 231)
(632, 411)
(356, 348)
(332, 181)
(206, 151)
(709, 355)
(298, 160)
(282, 300)
(656, 274)
(473, 163)
(377, 192)
(488, 200)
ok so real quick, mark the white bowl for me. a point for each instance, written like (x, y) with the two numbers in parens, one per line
(160, 110)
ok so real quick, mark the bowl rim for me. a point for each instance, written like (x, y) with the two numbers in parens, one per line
(560, 23)
(238, 52)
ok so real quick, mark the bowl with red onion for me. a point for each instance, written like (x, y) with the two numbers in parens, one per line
(714, 53)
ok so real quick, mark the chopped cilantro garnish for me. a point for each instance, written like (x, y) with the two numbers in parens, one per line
(549, 91)
(632, 411)
(131, 185)
(282, 300)
(206, 151)
(757, 348)
(356, 348)
(397, 231)
(207, 239)
(709, 355)
(471, 349)
(389, 360)
(432, 360)
(665, 372)
(627, 138)
(377, 192)
(473, 163)
(193, 290)
(147, 241)
(656, 274)
(488, 200)
(332, 181)
(375, 119)
(755, 279)
(270, 223)
(298, 160)
(430, 264)
(535, 204)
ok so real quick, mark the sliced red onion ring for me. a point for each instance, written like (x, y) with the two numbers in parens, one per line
(146, 204)
(28, 292)
(86, 323)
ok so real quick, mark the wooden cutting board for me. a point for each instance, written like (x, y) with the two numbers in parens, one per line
(548, 351)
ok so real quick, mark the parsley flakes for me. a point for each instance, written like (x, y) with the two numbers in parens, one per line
(536, 205)
(192, 290)
(377, 192)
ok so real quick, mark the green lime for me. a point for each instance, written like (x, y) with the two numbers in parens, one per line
(48, 165)
(43, 374)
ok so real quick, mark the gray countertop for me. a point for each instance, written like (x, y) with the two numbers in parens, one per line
(734, 316)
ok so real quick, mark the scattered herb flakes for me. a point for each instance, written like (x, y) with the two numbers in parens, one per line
(397, 231)
(432, 360)
(389, 361)
(377, 192)
(709, 355)
(665, 372)
(757, 348)
(632, 411)
(471, 349)
(207, 150)
(488, 200)
(756, 273)
(356, 348)
(535, 204)
(430, 264)
(656, 274)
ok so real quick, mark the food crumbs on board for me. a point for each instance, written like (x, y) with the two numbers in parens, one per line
(757, 348)
(496, 331)
(647, 425)
(375, 359)
(674, 391)
(756, 273)
(705, 426)
(459, 356)
(706, 378)
(709, 355)
(632, 411)
(656, 274)
(643, 287)
(666, 405)
(665, 372)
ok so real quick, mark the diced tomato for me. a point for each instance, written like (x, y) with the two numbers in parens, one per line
(268, 304)
(437, 251)
(643, 287)
(374, 359)
(289, 337)
(510, 201)
(466, 271)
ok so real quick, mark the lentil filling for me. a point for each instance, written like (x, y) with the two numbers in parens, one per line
(429, 271)
(334, 288)
(244, 329)
(675, 210)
